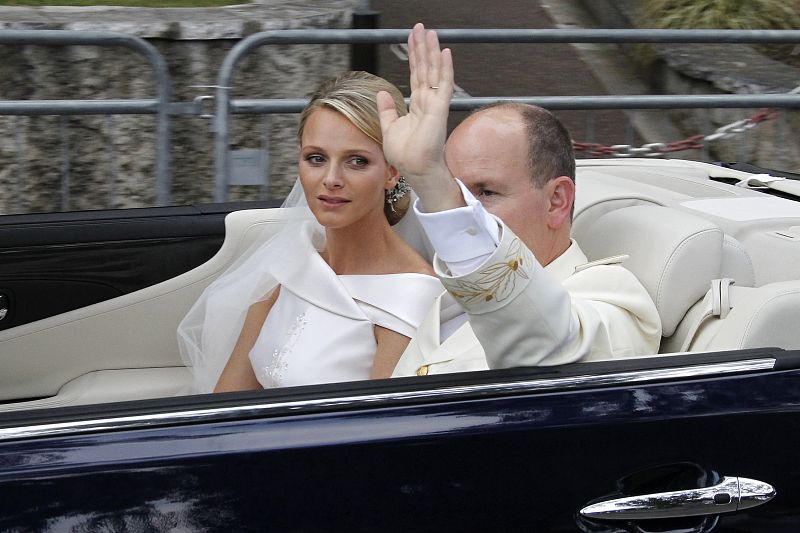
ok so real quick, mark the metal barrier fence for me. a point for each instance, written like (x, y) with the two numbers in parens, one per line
(225, 107)
(160, 106)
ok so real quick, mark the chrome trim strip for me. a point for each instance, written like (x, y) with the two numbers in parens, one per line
(223, 413)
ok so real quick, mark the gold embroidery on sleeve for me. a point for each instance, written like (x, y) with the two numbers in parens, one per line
(496, 281)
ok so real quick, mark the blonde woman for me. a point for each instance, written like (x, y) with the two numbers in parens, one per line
(337, 297)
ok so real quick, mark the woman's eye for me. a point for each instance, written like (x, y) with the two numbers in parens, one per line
(486, 192)
(315, 159)
(359, 162)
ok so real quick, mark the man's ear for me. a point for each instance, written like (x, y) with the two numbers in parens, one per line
(392, 175)
(562, 195)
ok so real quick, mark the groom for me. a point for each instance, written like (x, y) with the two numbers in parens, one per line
(495, 199)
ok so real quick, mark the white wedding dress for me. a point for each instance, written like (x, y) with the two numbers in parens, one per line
(321, 327)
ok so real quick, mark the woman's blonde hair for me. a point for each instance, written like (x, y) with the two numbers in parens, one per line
(354, 95)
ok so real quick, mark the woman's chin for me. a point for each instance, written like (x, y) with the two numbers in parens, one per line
(333, 220)
(345, 216)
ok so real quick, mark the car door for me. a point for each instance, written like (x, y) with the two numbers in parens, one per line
(57, 262)
(90, 301)
(513, 450)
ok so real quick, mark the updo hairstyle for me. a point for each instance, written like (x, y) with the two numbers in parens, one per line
(354, 95)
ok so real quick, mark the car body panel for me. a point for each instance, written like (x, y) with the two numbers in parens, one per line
(513, 459)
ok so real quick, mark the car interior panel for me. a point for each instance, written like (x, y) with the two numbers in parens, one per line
(43, 358)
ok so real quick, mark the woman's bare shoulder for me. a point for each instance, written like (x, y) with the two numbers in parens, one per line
(408, 260)
(421, 266)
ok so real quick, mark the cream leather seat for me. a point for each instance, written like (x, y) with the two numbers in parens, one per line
(741, 317)
(675, 254)
(99, 354)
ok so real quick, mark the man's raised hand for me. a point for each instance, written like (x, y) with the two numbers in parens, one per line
(414, 143)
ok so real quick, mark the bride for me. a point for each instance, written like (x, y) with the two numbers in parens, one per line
(335, 297)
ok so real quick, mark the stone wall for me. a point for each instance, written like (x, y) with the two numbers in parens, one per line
(715, 69)
(111, 160)
(733, 69)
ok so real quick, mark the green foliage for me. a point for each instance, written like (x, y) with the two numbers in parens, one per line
(124, 3)
(721, 14)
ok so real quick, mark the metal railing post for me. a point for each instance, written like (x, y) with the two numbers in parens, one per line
(161, 106)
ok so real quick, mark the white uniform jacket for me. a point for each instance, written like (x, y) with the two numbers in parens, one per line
(521, 314)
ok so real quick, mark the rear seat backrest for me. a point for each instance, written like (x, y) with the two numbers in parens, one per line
(246, 227)
(674, 254)
(585, 215)
(736, 263)
(755, 317)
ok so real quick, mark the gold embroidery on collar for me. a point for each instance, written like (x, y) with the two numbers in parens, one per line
(498, 280)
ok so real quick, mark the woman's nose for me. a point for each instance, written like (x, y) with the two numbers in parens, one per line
(333, 178)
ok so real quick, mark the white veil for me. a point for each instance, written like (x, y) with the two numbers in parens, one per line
(209, 331)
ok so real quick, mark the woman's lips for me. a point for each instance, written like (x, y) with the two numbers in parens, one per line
(332, 201)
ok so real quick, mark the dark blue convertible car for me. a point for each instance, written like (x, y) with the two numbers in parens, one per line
(96, 435)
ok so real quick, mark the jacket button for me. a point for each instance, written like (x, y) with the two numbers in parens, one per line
(423, 370)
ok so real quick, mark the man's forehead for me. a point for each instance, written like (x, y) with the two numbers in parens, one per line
(486, 140)
(476, 131)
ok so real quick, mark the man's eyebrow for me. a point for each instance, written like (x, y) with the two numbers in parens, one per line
(484, 184)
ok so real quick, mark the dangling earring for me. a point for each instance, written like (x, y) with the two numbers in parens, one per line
(397, 192)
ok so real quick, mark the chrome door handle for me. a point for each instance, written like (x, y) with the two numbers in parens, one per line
(731, 494)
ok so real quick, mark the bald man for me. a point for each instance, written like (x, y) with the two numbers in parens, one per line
(496, 202)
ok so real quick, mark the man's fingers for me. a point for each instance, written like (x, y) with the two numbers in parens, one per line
(431, 71)
(387, 112)
(433, 58)
(420, 55)
(447, 81)
(412, 62)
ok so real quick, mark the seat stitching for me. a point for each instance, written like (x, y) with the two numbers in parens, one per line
(675, 253)
(755, 313)
(733, 242)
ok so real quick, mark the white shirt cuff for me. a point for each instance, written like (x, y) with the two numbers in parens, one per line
(463, 237)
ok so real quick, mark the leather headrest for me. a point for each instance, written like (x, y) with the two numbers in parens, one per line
(674, 254)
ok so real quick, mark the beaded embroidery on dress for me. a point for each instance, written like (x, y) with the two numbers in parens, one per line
(271, 374)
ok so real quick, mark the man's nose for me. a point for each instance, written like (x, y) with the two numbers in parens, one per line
(333, 178)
